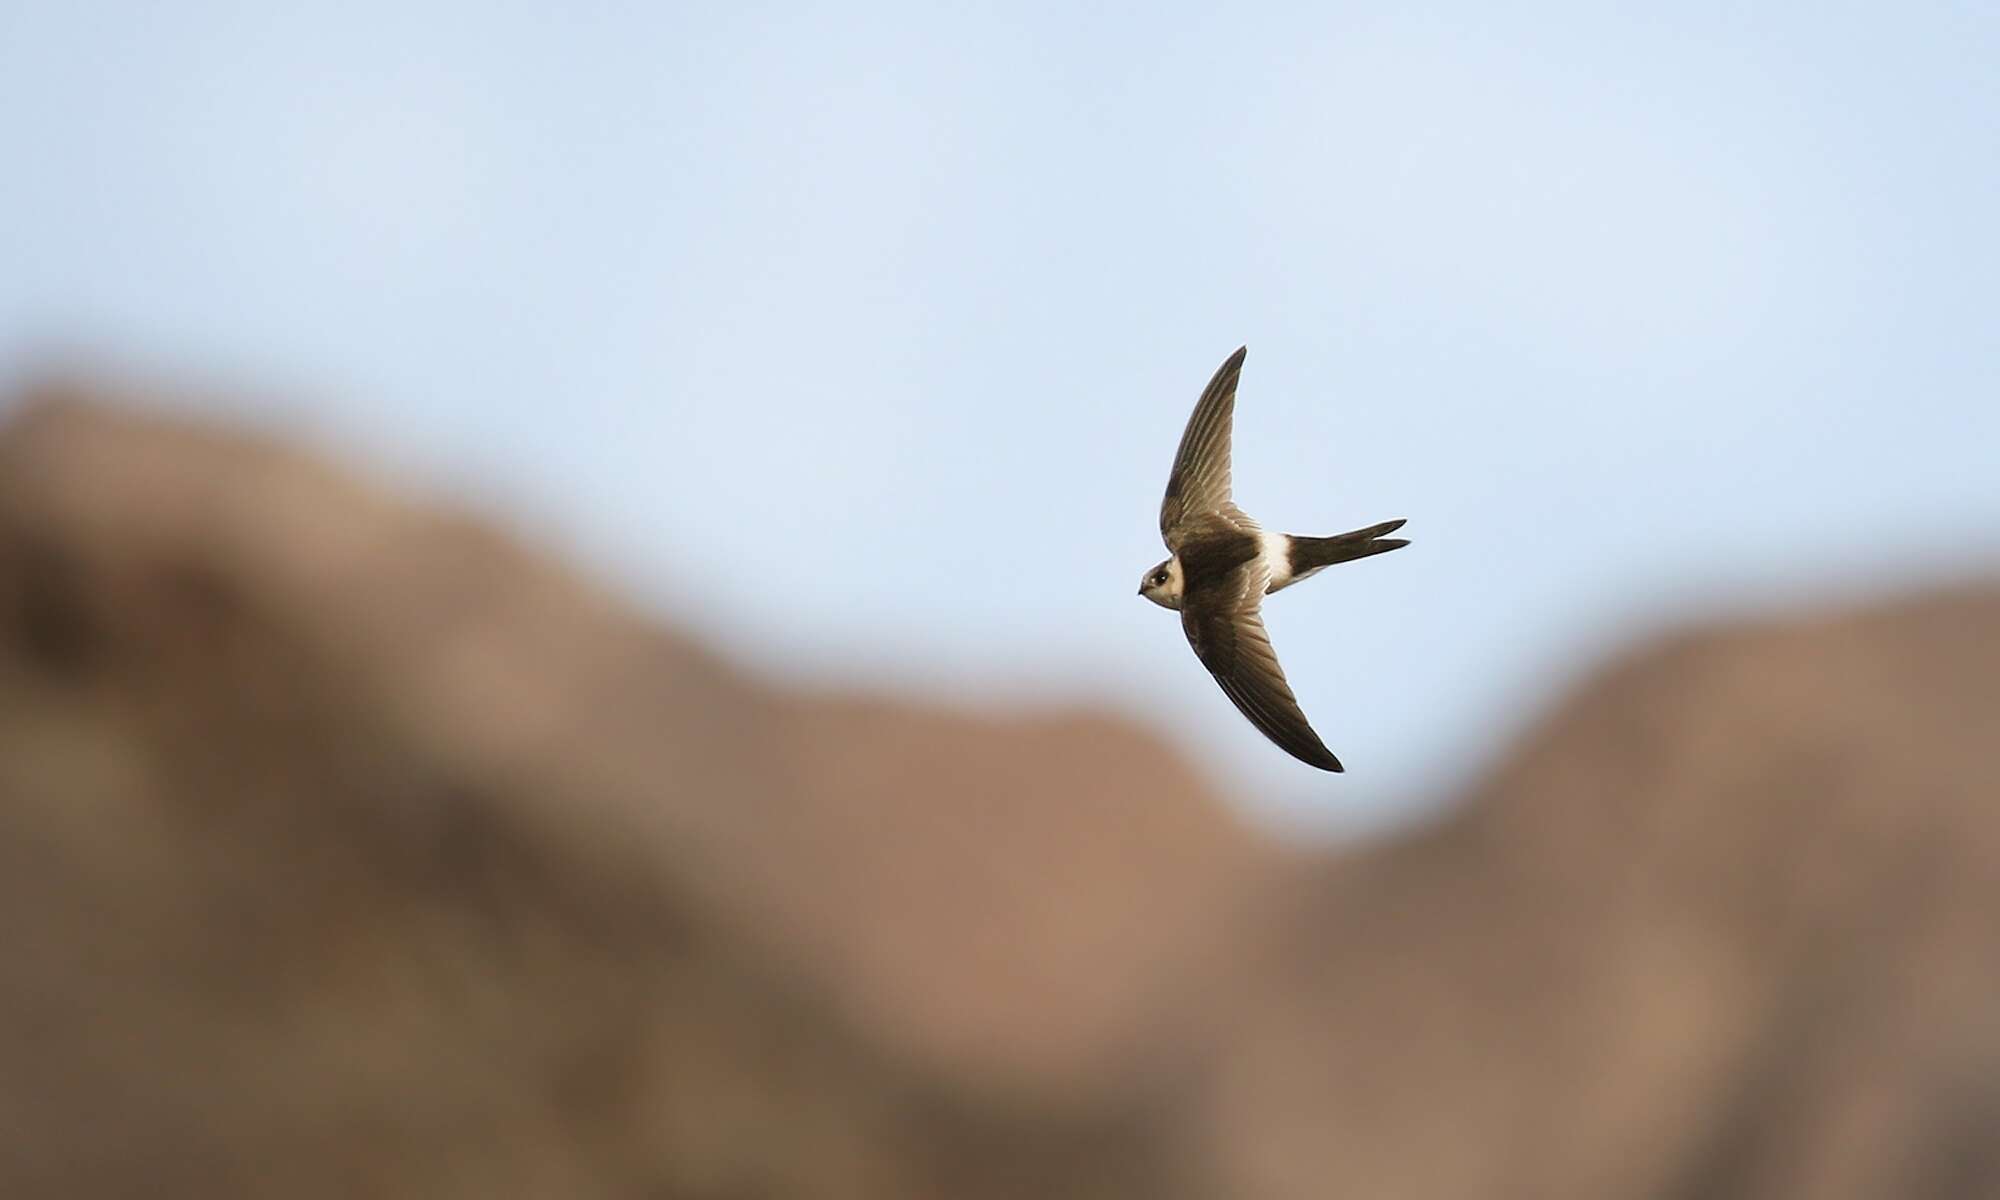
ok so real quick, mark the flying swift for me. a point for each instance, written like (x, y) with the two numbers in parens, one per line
(1223, 564)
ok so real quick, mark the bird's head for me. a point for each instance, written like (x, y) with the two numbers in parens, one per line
(1162, 584)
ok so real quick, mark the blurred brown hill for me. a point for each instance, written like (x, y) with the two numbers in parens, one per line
(348, 848)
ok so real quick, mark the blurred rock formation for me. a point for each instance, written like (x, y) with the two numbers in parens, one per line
(349, 848)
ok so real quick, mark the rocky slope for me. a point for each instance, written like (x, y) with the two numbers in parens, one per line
(348, 847)
(1721, 928)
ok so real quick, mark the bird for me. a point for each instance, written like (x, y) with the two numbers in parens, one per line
(1222, 565)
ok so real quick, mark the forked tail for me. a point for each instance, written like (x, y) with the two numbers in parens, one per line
(1312, 553)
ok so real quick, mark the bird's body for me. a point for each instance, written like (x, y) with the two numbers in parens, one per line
(1224, 564)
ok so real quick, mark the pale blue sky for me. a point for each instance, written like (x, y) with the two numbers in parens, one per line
(858, 337)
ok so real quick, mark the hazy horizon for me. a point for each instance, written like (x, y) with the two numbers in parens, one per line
(861, 341)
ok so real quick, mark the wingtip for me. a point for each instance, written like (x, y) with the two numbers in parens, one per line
(1317, 757)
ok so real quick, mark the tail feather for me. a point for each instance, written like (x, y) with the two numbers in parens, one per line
(1312, 553)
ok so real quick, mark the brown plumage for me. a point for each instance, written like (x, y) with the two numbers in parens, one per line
(1223, 566)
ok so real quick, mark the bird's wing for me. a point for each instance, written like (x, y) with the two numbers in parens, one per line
(1200, 480)
(1228, 635)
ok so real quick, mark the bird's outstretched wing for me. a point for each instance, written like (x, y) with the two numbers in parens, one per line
(1199, 484)
(1228, 635)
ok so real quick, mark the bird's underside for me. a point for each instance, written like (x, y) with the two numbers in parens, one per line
(1227, 564)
